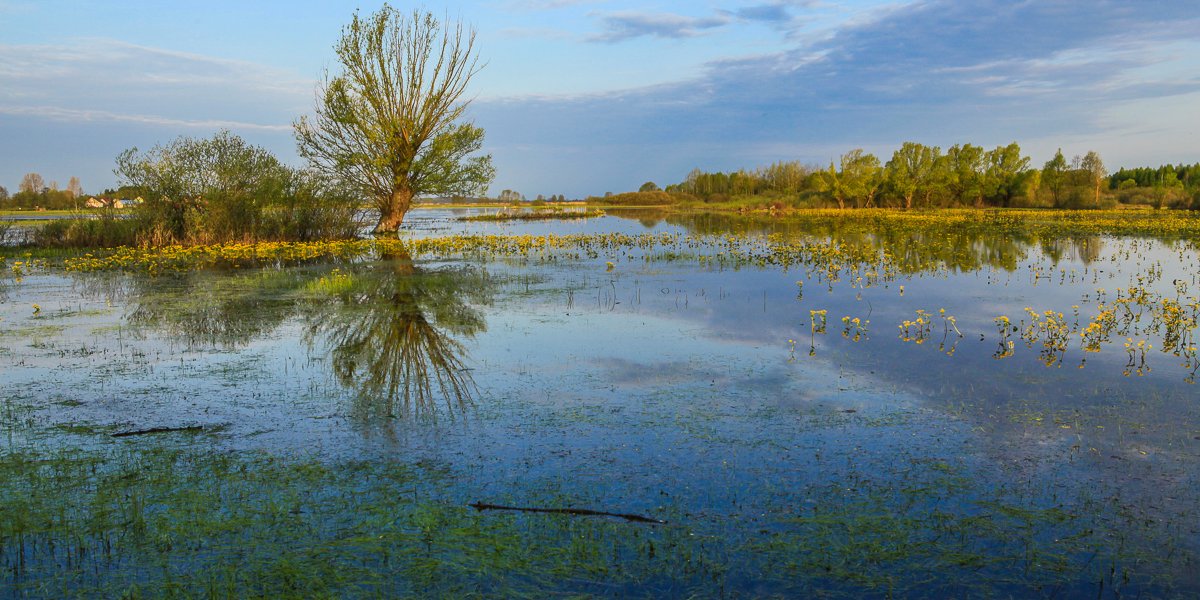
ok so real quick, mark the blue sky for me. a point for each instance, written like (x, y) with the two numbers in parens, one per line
(586, 96)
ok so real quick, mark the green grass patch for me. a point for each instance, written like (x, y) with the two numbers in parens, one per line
(536, 215)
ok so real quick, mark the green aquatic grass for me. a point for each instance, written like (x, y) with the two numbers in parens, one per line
(35, 332)
(165, 515)
(172, 522)
(554, 213)
(144, 517)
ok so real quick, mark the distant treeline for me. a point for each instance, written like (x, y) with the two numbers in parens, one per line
(919, 176)
(1186, 175)
(48, 199)
(34, 192)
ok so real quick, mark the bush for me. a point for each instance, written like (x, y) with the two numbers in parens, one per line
(310, 208)
(104, 232)
(222, 189)
(658, 198)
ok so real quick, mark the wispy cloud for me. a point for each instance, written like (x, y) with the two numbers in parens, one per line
(75, 105)
(72, 115)
(771, 13)
(102, 64)
(92, 79)
(778, 12)
(625, 25)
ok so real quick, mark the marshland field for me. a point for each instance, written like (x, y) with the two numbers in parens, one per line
(953, 403)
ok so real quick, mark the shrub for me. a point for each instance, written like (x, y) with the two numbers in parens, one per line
(206, 191)
(658, 198)
(103, 232)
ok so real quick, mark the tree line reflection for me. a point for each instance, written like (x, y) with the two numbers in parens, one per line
(915, 250)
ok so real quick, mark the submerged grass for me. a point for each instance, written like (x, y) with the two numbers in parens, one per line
(167, 521)
(138, 521)
(536, 215)
(160, 521)
(884, 239)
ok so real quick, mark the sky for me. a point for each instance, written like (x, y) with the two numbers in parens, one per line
(582, 97)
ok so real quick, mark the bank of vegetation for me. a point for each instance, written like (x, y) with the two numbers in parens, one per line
(221, 189)
(215, 190)
(551, 213)
(920, 176)
(642, 197)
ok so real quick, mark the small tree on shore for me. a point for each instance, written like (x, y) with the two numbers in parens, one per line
(1097, 174)
(390, 122)
(1054, 176)
(861, 177)
(911, 169)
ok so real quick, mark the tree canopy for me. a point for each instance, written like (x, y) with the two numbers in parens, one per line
(911, 170)
(390, 122)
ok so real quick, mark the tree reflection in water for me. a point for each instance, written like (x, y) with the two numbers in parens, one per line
(393, 329)
(392, 335)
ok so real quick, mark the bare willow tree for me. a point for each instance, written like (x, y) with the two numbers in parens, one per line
(32, 183)
(74, 187)
(390, 122)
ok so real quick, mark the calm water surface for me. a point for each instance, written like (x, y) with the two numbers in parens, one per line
(789, 453)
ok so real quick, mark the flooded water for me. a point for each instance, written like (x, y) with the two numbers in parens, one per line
(941, 423)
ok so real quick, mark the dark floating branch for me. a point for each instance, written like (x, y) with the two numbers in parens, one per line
(567, 511)
(158, 430)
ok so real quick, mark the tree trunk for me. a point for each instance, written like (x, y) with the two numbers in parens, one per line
(391, 212)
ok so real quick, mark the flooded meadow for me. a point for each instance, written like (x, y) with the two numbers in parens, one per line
(961, 403)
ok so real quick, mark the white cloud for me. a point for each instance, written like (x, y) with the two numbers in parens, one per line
(117, 77)
(75, 105)
(84, 116)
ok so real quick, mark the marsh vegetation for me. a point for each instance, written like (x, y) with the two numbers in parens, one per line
(890, 403)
